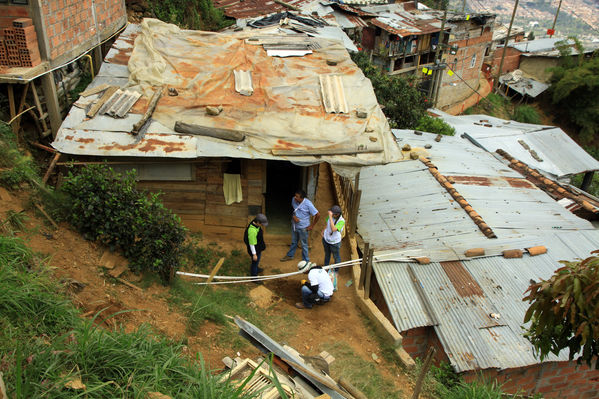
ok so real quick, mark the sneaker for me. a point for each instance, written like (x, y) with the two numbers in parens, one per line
(286, 258)
(258, 282)
(300, 305)
(260, 270)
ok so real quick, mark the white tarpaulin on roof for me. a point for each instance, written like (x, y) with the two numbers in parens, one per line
(285, 113)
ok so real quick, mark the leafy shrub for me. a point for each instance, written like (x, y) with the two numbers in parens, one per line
(194, 14)
(105, 206)
(474, 390)
(403, 104)
(527, 114)
(15, 168)
(435, 125)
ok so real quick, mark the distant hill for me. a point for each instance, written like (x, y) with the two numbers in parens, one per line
(576, 17)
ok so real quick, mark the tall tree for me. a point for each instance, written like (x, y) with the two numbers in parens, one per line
(564, 311)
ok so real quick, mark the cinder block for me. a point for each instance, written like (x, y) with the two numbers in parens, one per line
(22, 22)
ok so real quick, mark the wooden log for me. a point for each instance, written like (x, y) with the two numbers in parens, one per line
(149, 111)
(218, 133)
(128, 284)
(363, 265)
(215, 270)
(355, 392)
(326, 151)
(287, 5)
(96, 107)
(423, 371)
(47, 216)
(43, 147)
(94, 90)
(51, 167)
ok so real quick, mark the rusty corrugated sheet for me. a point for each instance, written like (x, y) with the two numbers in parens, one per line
(462, 281)
(254, 8)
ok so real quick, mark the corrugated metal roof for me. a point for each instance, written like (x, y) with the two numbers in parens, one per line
(538, 45)
(560, 155)
(394, 18)
(524, 86)
(284, 112)
(471, 338)
(414, 217)
(254, 8)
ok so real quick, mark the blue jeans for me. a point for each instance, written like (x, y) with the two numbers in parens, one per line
(331, 248)
(299, 235)
(255, 263)
(306, 292)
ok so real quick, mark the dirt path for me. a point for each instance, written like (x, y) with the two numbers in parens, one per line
(73, 257)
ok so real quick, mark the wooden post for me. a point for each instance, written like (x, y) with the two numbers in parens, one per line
(17, 123)
(355, 392)
(51, 167)
(97, 57)
(368, 274)
(423, 371)
(11, 102)
(49, 88)
(215, 270)
(354, 216)
(41, 115)
(363, 265)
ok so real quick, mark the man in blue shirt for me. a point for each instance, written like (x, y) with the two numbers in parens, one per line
(301, 224)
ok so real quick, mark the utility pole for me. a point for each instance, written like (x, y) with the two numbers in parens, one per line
(555, 19)
(464, 6)
(438, 71)
(507, 39)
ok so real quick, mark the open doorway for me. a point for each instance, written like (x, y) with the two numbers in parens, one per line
(282, 178)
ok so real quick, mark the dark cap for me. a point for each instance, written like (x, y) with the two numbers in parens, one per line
(336, 209)
(261, 218)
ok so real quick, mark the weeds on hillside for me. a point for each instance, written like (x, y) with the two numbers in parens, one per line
(362, 374)
(15, 168)
(48, 351)
(526, 114)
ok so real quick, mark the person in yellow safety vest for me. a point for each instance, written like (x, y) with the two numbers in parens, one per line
(331, 239)
(254, 241)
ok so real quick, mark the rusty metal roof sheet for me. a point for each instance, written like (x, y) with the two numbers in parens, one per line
(253, 8)
(395, 19)
(285, 111)
(427, 295)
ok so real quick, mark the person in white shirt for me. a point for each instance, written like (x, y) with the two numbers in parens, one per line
(332, 235)
(318, 289)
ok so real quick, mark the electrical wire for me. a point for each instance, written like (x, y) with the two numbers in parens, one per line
(252, 279)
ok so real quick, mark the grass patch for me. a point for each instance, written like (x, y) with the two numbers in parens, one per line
(361, 373)
(526, 114)
(15, 168)
(48, 351)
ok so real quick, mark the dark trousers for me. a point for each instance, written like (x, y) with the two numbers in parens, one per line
(255, 264)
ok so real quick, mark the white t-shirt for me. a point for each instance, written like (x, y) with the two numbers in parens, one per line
(333, 237)
(320, 277)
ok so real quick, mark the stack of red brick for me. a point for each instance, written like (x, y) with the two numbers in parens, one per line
(18, 45)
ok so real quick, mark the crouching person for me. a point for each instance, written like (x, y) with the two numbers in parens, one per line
(318, 289)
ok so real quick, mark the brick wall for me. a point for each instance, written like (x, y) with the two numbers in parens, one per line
(10, 12)
(510, 63)
(453, 88)
(72, 23)
(564, 380)
(417, 341)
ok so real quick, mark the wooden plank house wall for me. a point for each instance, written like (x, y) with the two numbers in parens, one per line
(202, 202)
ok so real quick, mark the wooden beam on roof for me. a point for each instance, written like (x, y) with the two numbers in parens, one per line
(298, 152)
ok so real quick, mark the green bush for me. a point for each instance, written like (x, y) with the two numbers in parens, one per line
(435, 125)
(194, 14)
(15, 168)
(403, 104)
(527, 114)
(105, 206)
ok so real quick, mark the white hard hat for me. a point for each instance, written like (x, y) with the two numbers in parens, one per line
(304, 266)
